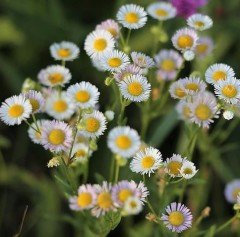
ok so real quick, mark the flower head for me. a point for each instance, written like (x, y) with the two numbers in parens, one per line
(36, 100)
(188, 169)
(141, 60)
(199, 22)
(232, 190)
(132, 206)
(35, 131)
(111, 26)
(204, 47)
(173, 165)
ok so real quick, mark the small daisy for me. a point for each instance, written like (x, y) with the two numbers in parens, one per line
(203, 109)
(94, 124)
(232, 190)
(55, 75)
(124, 141)
(162, 11)
(35, 134)
(135, 88)
(85, 200)
(183, 108)
(15, 109)
(168, 62)
(193, 85)
(177, 90)
(104, 201)
(98, 42)
(142, 60)
(142, 192)
(59, 106)
(65, 51)
(173, 165)
(199, 22)
(132, 16)
(218, 72)
(178, 217)
(81, 152)
(132, 206)
(114, 61)
(111, 26)
(204, 47)
(185, 39)
(96, 62)
(188, 170)
(147, 161)
(228, 90)
(83, 94)
(56, 136)
(36, 100)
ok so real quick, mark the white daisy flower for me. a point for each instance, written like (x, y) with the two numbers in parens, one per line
(204, 47)
(98, 42)
(135, 88)
(173, 165)
(97, 63)
(193, 85)
(81, 152)
(199, 22)
(183, 109)
(66, 51)
(142, 60)
(188, 169)
(55, 75)
(228, 90)
(132, 16)
(123, 141)
(35, 131)
(147, 161)
(185, 39)
(177, 90)
(94, 124)
(114, 61)
(59, 106)
(111, 26)
(36, 100)
(83, 94)
(162, 11)
(132, 206)
(218, 72)
(15, 109)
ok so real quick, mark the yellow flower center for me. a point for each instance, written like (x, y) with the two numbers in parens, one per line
(161, 12)
(114, 62)
(80, 153)
(123, 142)
(229, 91)
(100, 44)
(56, 137)
(84, 199)
(131, 17)
(199, 24)
(176, 218)
(135, 88)
(174, 167)
(92, 124)
(60, 106)
(124, 194)
(15, 111)
(186, 111)
(104, 200)
(219, 75)
(192, 86)
(185, 41)
(112, 31)
(35, 104)
(147, 162)
(235, 193)
(133, 204)
(64, 53)
(168, 65)
(179, 93)
(201, 48)
(82, 96)
(187, 171)
(203, 112)
(55, 78)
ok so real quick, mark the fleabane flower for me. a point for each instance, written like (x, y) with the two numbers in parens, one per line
(65, 51)
(218, 72)
(204, 47)
(177, 90)
(98, 42)
(193, 85)
(161, 11)
(59, 106)
(123, 141)
(81, 152)
(142, 60)
(15, 109)
(85, 199)
(173, 165)
(178, 217)
(135, 88)
(232, 190)
(185, 39)
(199, 22)
(132, 16)
(147, 161)
(188, 169)
(83, 94)
(55, 75)
(132, 206)
(36, 100)
(183, 109)
(35, 131)
(111, 26)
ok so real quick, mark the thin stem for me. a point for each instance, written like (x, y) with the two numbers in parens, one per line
(22, 222)
(112, 169)
(31, 126)
(116, 172)
(226, 224)
(128, 37)
(35, 122)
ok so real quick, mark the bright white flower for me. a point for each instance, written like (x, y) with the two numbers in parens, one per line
(34, 132)
(59, 106)
(185, 39)
(111, 26)
(204, 47)
(132, 16)
(55, 75)
(36, 100)
(200, 22)
(83, 94)
(96, 62)
(188, 169)
(193, 85)
(177, 90)
(183, 108)
(124, 141)
(228, 90)
(132, 206)
(135, 88)
(114, 61)
(109, 114)
(142, 60)
(66, 51)
(162, 11)
(218, 72)
(98, 42)
(81, 152)
(228, 115)
(15, 109)
(189, 55)
(147, 161)
(173, 165)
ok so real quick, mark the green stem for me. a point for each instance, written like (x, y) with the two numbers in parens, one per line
(112, 169)
(226, 224)
(31, 126)
(35, 122)
(116, 172)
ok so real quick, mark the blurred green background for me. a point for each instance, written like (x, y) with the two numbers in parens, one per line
(27, 28)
